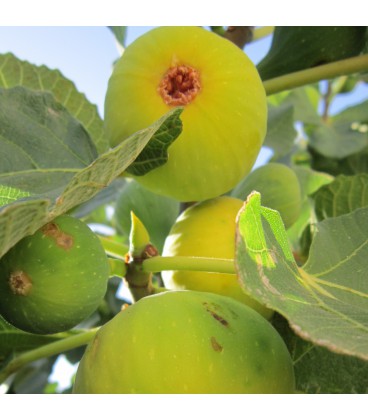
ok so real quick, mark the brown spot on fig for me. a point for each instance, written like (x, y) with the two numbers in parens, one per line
(215, 315)
(20, 283)
(215, 345)
(62, 239)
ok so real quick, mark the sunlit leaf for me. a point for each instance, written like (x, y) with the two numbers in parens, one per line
(326, 300)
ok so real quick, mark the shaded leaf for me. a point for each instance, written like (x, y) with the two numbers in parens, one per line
(353, 164)
(21, 218)
(156, 212)
(343, 135)
(32, 378)
(16, 72)
(344, 195)
(155, 153)
(42, 145)
(299, 233)
(13, 340)
(280, 129)
(325, 301)
(120, 33)
(296, 48)
(319, 371)
(278, 186)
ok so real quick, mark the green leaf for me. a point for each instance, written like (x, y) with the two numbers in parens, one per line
(16, 72)
(155, 153)
(281, 133)
(325, 301)
(157, 213)
(42, 145)
(21, 218)
(343, 135)
(279, 187)
(296, 48)
(352, 164)
(11, 338)
(8, 194)
(305, 101)
(120, 33)
(310, 181)
(319, 371)
(344, 195)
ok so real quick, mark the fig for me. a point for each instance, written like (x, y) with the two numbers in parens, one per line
(279, 187)
(52, 280)
(225, 110)
(179, 342)
(207, 229)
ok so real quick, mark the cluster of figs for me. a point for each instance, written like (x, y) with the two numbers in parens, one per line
(203, 333)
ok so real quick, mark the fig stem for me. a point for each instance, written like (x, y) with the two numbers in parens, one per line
(316, 74)
(47, 350)
(140, 249)
(262, 32)
(211, 265)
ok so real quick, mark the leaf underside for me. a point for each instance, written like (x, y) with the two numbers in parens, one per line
(326, 300)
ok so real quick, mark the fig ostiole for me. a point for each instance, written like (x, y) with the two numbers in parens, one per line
(52, 280)
(181, 342)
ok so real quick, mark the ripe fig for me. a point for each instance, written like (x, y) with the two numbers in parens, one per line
(207, 229)
(181, 342)
(279, 187)
(52, 280)
(225, 109)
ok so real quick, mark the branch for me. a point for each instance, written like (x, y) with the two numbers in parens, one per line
(316, 74)
(211, 265)
(48, 350)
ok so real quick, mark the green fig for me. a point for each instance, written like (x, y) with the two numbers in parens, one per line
(52, 280)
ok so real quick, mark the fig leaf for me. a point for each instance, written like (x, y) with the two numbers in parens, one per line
(56, 185)
(301, 47)
(343, 195)
(16, 72)
(325, 301)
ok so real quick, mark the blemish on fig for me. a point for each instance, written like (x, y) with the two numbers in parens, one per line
(20, 283)
(62, 239)
(180, 85)
(215, 345)
(215, 315)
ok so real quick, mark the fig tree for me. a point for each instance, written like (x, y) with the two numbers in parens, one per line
(181, 342)
(207, 229)
(225, 109)
(52, 280)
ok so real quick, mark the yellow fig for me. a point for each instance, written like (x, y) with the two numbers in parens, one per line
(225, 110)
(207, 229)
(186, 343)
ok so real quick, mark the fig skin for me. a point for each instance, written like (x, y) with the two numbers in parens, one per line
(224, 125)
(180, 342)
(207, 229)
(52, 280)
